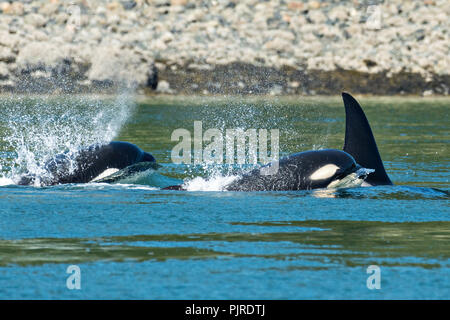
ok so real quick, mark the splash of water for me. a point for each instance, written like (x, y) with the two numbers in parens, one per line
(36, 129)
(214, 183)
(355, 179)
(6, 182)
(213, 177)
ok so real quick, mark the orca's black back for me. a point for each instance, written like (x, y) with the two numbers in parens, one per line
(294, 172)
(360, 142)
(97, 158)
(94, 160)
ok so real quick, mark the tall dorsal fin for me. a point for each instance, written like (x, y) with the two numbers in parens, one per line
(360, 143)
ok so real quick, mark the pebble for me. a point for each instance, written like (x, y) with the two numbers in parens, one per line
(15, 8)
(296, 5)
(4, 72)
(35, 20)
(163, 87)
(313, 5)
(178, 2)
(6, 55)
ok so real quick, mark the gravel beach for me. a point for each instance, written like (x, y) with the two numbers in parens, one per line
(226, 47)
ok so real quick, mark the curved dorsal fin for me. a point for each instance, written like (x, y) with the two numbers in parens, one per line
(360, 143)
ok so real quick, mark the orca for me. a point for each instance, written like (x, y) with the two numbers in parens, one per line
(300, 171)
(322, 168)
(88, 163)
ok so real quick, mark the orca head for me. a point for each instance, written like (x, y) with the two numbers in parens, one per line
(327, 167)
(147, 157)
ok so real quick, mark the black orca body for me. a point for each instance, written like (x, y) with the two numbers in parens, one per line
(320, 168)
(300, 171)
(88, 163)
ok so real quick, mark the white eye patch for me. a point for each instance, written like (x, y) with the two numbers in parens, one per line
(324, 172)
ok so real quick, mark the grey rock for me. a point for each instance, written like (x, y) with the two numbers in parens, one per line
(35, 19)
(164, 87)
(42, 55)
(4, 72)
(111, 63)
(6, 55)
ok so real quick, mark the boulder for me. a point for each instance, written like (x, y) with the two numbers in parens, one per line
(42, 55)
(111, 63)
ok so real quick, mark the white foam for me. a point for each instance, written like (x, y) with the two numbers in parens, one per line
(116, 186)
(5, 182)
(355, 179)
(138, 187)
(127, 186)
(216, 183)
(365, 184)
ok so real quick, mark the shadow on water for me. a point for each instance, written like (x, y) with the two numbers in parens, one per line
(41, 251)
(348, 243)
(384, 193)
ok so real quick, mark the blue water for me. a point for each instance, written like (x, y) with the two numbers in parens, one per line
(136, 241)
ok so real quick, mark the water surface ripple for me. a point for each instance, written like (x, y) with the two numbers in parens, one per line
(136, 241)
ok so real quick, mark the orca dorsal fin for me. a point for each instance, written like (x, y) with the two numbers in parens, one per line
(360, 143)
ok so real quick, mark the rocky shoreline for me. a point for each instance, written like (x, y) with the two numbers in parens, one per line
(225, 47)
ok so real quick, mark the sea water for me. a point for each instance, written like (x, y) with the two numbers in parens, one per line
(132, 240)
